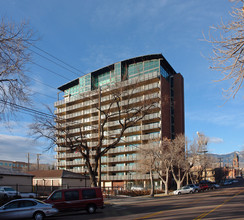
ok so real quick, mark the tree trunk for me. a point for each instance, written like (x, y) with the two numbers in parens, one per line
(92, 175)
(166, 191)
(152, 184)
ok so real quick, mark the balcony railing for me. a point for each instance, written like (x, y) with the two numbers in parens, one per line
(118, 159)
(118, 168)
(122, 84)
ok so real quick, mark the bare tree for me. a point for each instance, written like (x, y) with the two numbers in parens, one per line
(119, 108)
(158, 156)
(199, 158)
(163, 162)
(228, 49)
(147, 160)
(179, 165)
(14, 56)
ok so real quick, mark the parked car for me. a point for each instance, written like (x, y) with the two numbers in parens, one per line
(211, 185)
(183, 190)
(29, 195)
(8, 192)
(137, 188)
(76, 199)
(216, 186)
(227, 182)
(26, 208)
(196, 187)
(204, 186)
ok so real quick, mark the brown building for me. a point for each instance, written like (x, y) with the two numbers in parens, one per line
(151, 77)
(59, 178)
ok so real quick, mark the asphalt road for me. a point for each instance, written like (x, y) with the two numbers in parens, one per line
(224, 203)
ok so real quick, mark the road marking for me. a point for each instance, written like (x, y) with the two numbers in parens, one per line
(182, 206)
(227, 200)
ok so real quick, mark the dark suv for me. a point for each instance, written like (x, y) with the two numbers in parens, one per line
(76, 199)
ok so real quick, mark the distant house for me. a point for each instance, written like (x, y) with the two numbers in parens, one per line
(23, 166)
(20, 181)
(59, 178)
(14, 165)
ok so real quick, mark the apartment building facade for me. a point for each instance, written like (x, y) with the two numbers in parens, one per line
(150, 77)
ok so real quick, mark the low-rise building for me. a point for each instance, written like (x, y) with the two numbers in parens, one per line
(21, 182)
(59, 178)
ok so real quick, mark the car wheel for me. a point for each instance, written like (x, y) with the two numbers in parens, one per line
(91, 209)
(5, 196)
(38, 216)
(179, 193)
(191, 191)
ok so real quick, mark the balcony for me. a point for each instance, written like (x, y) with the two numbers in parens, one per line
(110, 89)
(119, 159)
(127, 177)
(118, 168)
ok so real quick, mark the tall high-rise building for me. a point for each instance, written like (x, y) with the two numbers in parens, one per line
(150, 77)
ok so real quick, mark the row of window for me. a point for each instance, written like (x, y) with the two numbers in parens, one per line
(12, 165)
(115, 75)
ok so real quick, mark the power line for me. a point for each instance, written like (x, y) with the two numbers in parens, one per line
(57, 59)
(44, 94)
(41, 82)
(53, 61)
(23, 108)
(50, 71)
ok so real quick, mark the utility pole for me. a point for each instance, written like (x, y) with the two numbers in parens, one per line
(38, 160)
(28, 161)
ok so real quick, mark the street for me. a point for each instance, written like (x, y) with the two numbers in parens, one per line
(224, 203)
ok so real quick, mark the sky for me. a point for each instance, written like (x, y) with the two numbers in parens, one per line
(92, 34)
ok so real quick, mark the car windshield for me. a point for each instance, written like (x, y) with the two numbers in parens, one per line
(8, 189)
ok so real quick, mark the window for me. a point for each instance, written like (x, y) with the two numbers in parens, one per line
(89, 194)
(26, 203)
(71, 195)
(57, 196)
(12, 205)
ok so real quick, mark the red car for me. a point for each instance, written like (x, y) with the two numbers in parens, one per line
(204, 186)
(76, 199)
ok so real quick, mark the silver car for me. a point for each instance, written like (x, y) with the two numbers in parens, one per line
(184, 189)
(26, 208)
(8, 192)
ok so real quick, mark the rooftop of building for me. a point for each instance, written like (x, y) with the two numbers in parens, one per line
(10, 172)
(127, 61)
(55, 174)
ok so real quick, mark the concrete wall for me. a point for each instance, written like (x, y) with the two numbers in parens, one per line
(62, 182)
(84, 182)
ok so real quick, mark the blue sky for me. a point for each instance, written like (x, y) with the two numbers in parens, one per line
(91, 34)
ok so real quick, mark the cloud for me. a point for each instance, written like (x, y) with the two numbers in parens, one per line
(216, 140)
(15, 148)
(227, 118)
